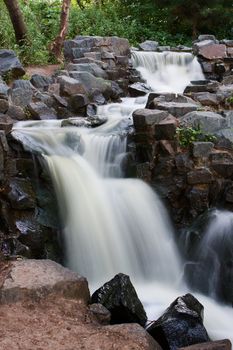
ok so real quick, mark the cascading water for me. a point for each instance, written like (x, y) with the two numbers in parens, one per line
(211, 269)
(112, 224)
(167, 71)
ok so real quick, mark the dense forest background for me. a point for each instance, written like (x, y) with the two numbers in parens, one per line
(170, 22)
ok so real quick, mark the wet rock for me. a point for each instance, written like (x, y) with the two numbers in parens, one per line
(101, 313)
(41, 81)
(149, 45)
(209, 122)
(70, 86)
(120, 298)
(181, 324)
(97, 97)
(10, 64)
(21, 194)
(144, 118)
(41, 111)
(35, 279)
(202, 149)
(224, 344)
(4, 105)
(89, 122)
(198, 198)
(199, 176)
(138, 89)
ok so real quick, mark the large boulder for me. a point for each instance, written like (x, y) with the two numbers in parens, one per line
(177, 109)
(138, 89)
(10, 64)
(145, 118)
(180, 325)
(70, 86)
(35, 279)
(120, 298)
(149, 45)
(209, 122)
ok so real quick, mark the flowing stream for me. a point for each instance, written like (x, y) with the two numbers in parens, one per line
(112, 224)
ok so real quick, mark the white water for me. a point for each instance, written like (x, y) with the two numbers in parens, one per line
(112, 224)
(167, 71)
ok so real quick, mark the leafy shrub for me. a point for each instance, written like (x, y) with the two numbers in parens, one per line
(187, 135)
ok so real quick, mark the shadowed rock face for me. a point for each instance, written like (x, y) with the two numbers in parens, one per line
(120, 298)
(181, 324)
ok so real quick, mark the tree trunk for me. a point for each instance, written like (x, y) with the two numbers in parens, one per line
(17, 20)
(56, 46)
(80, 4)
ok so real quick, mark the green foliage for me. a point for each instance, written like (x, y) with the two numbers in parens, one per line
(229, 100)
(187, 135)
(166, 21)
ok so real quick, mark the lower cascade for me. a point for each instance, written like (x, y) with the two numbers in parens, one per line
(112, 224)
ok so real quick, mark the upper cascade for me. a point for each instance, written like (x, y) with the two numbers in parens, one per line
(167, 71)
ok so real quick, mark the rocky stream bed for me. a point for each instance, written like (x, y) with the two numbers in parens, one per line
(44, 306)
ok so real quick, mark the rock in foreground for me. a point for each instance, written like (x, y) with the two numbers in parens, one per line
(120, 298)
(44, 307)
(181, 325)
(36, 279)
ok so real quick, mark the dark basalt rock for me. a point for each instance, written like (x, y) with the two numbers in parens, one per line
(138, 89)
(41, 81)
(10, 64)
(21, 194)
(180, 325)
(120, 298)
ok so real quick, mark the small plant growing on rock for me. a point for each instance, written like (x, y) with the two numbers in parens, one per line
(229, 100)
(187, 135)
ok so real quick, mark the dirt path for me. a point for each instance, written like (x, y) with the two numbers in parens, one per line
(47, 70)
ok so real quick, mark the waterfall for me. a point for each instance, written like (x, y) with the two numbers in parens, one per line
(213, 256)
(112, 224)
(167, 71)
